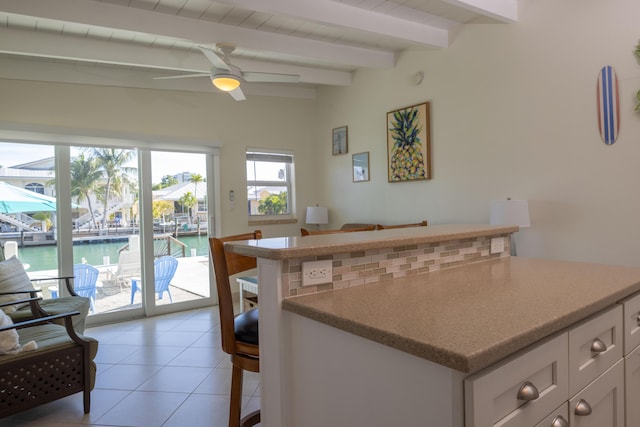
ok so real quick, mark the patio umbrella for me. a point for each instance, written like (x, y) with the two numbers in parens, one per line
(15, 199)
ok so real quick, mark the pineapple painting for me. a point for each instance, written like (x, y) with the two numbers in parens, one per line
(408, 143)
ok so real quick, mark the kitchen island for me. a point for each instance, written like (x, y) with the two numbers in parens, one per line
(426, 309)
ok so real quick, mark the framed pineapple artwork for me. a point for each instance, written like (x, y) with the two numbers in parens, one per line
(408, 143)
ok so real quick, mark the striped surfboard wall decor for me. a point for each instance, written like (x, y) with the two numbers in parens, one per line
(608, 105)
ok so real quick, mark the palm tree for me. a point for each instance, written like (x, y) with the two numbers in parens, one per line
(188, 200)
(85, 177)
(111, 162)
(196, 178)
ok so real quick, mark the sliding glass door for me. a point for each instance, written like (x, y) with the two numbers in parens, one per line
(180, 228)
(106, 234)
(132, 248)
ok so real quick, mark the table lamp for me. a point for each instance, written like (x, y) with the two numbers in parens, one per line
(317, 215)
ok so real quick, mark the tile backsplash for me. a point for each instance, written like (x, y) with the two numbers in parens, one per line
(358, 268)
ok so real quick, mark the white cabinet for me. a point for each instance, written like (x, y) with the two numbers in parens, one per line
(631, 324)
(632, 360)
(601, 403)
(575, 379)
(521, 391)
(632, 387)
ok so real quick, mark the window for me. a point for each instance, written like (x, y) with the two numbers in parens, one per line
(35, 187)
(269, 182)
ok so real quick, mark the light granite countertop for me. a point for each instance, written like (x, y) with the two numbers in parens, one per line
(469, 317)
(280, 248)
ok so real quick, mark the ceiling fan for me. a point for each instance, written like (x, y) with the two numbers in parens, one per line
(228, 77)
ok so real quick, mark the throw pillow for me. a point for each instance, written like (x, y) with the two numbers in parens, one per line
(13, 278)
(9, 339)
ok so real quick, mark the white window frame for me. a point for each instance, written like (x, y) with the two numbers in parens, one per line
(280, 156)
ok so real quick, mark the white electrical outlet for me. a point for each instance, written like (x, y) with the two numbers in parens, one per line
(497, 245)
(317, 272)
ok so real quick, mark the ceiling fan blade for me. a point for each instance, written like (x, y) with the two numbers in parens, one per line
(237, 94)
(270, 77)
(214, 58)
(182, 76)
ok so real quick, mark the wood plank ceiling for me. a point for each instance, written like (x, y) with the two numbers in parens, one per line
(127, 42)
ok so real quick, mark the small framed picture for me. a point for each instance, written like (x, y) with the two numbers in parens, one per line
(361, 167)
(340, 141)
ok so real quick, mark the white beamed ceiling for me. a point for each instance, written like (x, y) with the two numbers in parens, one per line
(127, 42)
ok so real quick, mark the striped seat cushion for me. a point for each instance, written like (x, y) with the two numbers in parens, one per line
(13, 278)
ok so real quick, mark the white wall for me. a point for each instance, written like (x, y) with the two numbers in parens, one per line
(513, 114)
(259, 121)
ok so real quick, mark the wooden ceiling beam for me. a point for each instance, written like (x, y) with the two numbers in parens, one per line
(166, 61)
(106, 15)
(502, 10)
(343, 15)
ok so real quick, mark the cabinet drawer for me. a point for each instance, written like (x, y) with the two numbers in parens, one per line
(601, 403)
(594, 347)
(631, 323)
(493, 397)
(558, 418)
(632, 387)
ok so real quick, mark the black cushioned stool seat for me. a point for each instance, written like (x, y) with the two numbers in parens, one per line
(246, 326)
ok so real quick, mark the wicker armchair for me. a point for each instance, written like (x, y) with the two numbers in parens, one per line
(61, 366)
(14, 278)
(54, 306)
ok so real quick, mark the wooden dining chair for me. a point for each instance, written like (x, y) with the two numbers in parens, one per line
(418, 224)
(305, 232)
(239, 333)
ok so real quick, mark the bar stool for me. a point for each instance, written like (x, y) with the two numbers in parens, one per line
(239, 333)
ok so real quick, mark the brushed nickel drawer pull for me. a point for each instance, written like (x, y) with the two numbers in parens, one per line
(528, 392)
(559, 421)
(638, 319)
(597, 346)
(583, 408)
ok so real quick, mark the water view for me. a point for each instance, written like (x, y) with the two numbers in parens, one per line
(45, 258)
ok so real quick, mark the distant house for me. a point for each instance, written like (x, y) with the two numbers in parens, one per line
(35, 176)
(175, 192)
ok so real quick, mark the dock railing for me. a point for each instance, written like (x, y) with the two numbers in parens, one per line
(164, 244)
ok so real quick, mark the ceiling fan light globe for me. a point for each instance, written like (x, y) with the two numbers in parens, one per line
(225, 83)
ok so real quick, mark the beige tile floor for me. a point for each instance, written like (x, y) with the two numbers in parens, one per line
(164, 371)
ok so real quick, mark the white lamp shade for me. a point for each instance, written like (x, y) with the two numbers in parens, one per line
(317, 215)
(510, 212)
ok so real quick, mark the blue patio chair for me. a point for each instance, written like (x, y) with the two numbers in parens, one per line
(85, 279)
(163, 270)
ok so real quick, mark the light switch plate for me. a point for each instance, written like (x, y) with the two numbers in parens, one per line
(317, 272)
(497, 245)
